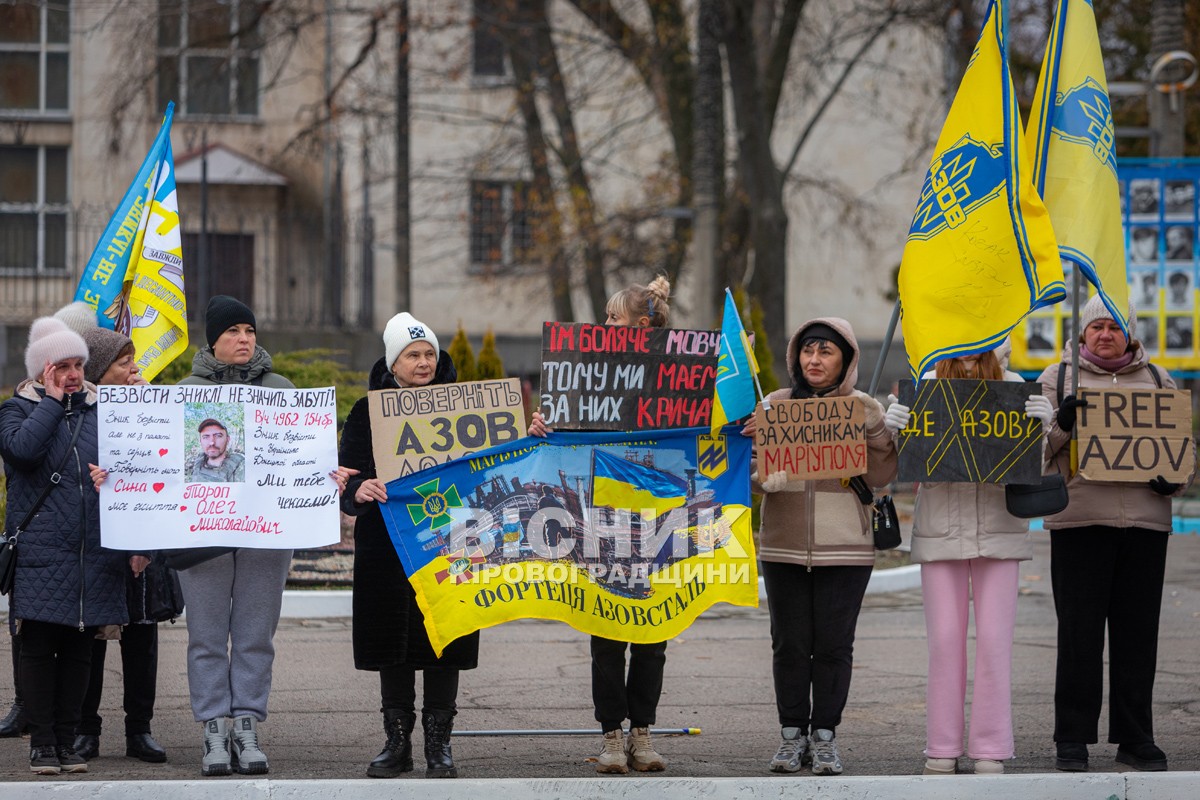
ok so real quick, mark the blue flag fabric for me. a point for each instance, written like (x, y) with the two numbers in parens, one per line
(733, 394)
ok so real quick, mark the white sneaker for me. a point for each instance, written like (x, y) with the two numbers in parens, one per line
(940, 766)
(216, 748)
(792, 753)
(988, 766)
(612, 759)
(642, 756)
(825, 757)
(248, 758)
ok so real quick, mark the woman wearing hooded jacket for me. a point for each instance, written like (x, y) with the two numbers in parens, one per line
(970, 550)
(1108, 551)
(66, 584)
(817, 553)
(389, 629)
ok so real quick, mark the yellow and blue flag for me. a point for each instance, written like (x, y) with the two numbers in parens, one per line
(134, 278)
(981, 252)
(733, 393)
(1071, 137)
(619, 483)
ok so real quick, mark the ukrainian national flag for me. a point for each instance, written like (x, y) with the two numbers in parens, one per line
(134, 278)
(1071, 137)
(618, 483)
(733, 393)
(981, 252)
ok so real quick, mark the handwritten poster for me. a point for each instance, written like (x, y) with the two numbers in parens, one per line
(1134, 435)
(615, 377)
(970, 431)
(229, 465)
(417, 428)
(811, 439)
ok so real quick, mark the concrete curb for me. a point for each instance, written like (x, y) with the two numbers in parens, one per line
(1059, 786)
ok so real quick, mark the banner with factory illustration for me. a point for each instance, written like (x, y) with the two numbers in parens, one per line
(629, 536)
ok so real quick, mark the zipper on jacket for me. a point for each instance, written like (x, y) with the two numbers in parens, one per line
(82, 518)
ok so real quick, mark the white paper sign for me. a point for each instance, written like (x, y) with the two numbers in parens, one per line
(227, 466)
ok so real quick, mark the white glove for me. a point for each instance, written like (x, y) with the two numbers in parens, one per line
(1039, 407)
(896, 416)
(774, 482)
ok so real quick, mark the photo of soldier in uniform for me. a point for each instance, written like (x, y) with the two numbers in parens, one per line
(1143, 244)
(215, 447)
(1143, 198)
(1179, 242)
(1179, 334)
(1143, 288)
(1147, 333)
(1179, 291)
(1039, 335)
(1179, 199)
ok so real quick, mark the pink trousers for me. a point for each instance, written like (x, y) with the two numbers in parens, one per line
(948, 587)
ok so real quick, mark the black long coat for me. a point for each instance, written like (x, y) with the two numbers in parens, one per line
(389, 628)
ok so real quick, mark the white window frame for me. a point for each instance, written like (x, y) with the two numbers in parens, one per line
(233, 54)
(41, 208)
(42, 48)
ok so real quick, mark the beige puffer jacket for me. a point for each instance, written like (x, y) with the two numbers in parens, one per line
(1110, 504)
(959, 521)
(824, 524)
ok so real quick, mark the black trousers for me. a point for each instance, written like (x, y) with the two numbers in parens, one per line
(1106, 577)
(814, 615)
(54, 675)
(618, 697)
(398, 688)
(139, 672)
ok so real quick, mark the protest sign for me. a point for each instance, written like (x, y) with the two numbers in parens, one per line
(414, 429)
(1134, 435)
(616, 377)
(228, 465)
(970, 431)
(823, 437)
(629, 536)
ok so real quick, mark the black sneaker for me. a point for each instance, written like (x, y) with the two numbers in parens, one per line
(44, 761)
(1144, 757)
(1071, 757)
(69, 760)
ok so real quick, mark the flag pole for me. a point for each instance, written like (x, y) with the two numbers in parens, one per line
(1075, 336)
(883, 351)
(571, 732)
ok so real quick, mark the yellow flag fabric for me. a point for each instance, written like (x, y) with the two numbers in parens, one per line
(981, 252)
(1075, 168)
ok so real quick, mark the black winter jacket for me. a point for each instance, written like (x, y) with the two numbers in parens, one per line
(389, 628)
(64, 576)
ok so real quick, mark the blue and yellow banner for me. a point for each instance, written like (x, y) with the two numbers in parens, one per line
(1071, 137)
(625, 536)
(981, 252)
(134, 278)
(733, 394)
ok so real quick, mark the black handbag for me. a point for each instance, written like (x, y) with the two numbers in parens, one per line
(885, 523)
(8, 550)
(158, 595)
(1029, 500)
(188, 557)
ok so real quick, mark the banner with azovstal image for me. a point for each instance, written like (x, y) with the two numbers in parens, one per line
(629, 536)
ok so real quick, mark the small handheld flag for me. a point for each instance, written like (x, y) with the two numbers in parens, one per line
(737, 370)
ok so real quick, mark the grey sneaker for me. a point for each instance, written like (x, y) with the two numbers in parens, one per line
(792, 753)
(69, 760)
(43, 760)
(825, 757)
(216, 748)
(248, 759)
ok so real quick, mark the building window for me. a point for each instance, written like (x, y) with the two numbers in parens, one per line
(35, 56)
(488, 56)
(33, 208)
(502, 224)
(208, 56)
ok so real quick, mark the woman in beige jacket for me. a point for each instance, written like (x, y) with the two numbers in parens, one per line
(817, 553)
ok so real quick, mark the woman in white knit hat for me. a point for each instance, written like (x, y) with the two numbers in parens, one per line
(66, 584)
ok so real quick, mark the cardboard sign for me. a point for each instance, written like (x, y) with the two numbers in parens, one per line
(824, 437)
(619, 378)
(228, 465)
(417, 428)
(970, 431)
(1134, 435)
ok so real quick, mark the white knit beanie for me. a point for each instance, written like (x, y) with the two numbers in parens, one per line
(78, 316)
(401, 331)
(51, 341)
(1095, 309)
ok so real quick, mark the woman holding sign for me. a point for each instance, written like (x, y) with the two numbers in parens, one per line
(1108, 552)
(817, 553)
(970, 550)
(389, 628)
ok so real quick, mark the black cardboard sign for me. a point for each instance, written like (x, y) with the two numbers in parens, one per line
(620, 378)
(970, 431)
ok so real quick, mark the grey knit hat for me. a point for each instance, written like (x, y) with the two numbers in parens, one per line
(1095, 309)
(51, 341)
(78, 316)
(104, 347)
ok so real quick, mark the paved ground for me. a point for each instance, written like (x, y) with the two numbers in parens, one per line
(325, 723)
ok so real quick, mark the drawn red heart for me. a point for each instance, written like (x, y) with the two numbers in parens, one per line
(162, 451)
(183, 508)
(158, 487)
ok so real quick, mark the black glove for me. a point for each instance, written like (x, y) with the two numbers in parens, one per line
(1164, 487)
(1066, 412)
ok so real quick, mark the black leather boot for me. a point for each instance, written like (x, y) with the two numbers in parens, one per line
(396, 756)
(439, 761)
(14, 723)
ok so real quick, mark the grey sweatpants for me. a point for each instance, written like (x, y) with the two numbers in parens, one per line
(232, 609)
